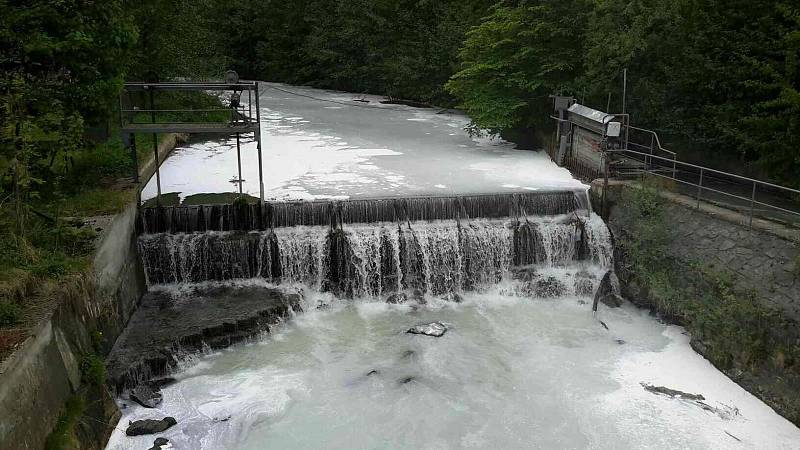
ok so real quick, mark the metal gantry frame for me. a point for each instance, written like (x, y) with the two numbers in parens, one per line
(242, 119)
(658, 161)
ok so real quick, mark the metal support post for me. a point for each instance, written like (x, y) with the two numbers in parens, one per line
(239, 160)
(752, 204)
(258, 141)
(155, 150)
(134, 157)
(699, 188)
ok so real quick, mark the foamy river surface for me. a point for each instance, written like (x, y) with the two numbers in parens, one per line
(511, 372)
(321, 144)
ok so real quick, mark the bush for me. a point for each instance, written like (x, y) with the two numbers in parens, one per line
(93, 369)
(9, 313)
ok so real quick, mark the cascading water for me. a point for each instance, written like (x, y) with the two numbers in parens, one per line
(514, 371)
(369, 260)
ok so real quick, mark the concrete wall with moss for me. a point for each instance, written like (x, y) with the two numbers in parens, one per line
(62, 360)
(735, 288)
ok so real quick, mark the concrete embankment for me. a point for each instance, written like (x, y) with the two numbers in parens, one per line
(55, 366)
(50, 366)
(736, 288)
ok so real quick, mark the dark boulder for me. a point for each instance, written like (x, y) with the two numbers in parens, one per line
(549, 287)
(435, 329)
(406, 380)
(418, 296)
(661, 390)
(397, 298)
(159, 443)
(584, 283)
(147, 395)
(453, 297)
(608, 293)
(524, 273)
(161, 382)
(150, 426)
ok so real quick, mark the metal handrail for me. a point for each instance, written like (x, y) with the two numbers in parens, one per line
(655, 136)
(701, 188)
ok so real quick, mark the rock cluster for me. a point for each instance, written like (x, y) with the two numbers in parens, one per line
(150, 426)
(435, 329)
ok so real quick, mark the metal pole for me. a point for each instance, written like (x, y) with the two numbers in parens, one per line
(608, 104)
(624, 88)
(239, 159)
(258, 140)
(134, 156)
(155, 150)
(603, 211)
(674, 167)
(699, 188)
(752, 204)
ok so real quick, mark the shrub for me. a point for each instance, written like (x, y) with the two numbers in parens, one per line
(9, 313)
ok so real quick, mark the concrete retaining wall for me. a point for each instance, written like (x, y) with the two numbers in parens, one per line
(45, 371)
(763, 258)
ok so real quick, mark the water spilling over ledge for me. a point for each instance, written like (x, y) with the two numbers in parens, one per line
(358, 260)
(248, 217)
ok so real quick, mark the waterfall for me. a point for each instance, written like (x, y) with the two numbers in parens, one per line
(252, 217)
(435, 257)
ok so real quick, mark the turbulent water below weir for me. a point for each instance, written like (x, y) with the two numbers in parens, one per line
(511, 372)
(524, 362)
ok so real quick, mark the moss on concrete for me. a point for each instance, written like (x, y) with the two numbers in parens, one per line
(754, 344)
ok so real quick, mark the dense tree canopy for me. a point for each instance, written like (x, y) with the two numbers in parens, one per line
(718, 79)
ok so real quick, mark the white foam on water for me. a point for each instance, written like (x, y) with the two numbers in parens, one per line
(325, 150)
(511, 372)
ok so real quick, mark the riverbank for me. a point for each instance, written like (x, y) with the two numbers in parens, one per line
(52, 375)
(734, 288)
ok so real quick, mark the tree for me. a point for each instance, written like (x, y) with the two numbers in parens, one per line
(522, 53)
(60, 67)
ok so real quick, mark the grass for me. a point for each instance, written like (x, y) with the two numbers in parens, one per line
(732, 326)
(63, 435)
(9, 312)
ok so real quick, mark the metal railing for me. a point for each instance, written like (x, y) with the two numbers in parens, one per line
(242, 116)
(737, 192)
(652, 149)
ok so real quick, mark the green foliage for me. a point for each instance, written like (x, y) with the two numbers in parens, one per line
(93, 369)
(516, 58)
(63, 435)
(718, 80)
(734, 327)
(404, 49)
(9, 313)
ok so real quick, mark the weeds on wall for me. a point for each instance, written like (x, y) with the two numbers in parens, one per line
(736, 330)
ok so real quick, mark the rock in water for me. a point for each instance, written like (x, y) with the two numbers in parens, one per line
(146, 395)
(435, 329)
(608, 293)
(671, 392)
(159, 443)
(150, 426)
(549, 287)
(397, 298)
(453, 297)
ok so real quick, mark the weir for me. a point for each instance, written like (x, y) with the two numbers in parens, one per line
(374, 247)
(247, 216)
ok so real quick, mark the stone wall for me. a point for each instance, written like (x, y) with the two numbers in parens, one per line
(45, 371)
(763, 258)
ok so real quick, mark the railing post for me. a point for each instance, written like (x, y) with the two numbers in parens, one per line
(674, 167)
(155, 150)
(752, 204)
(258, 140)
(239, 161)
(699, 188)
